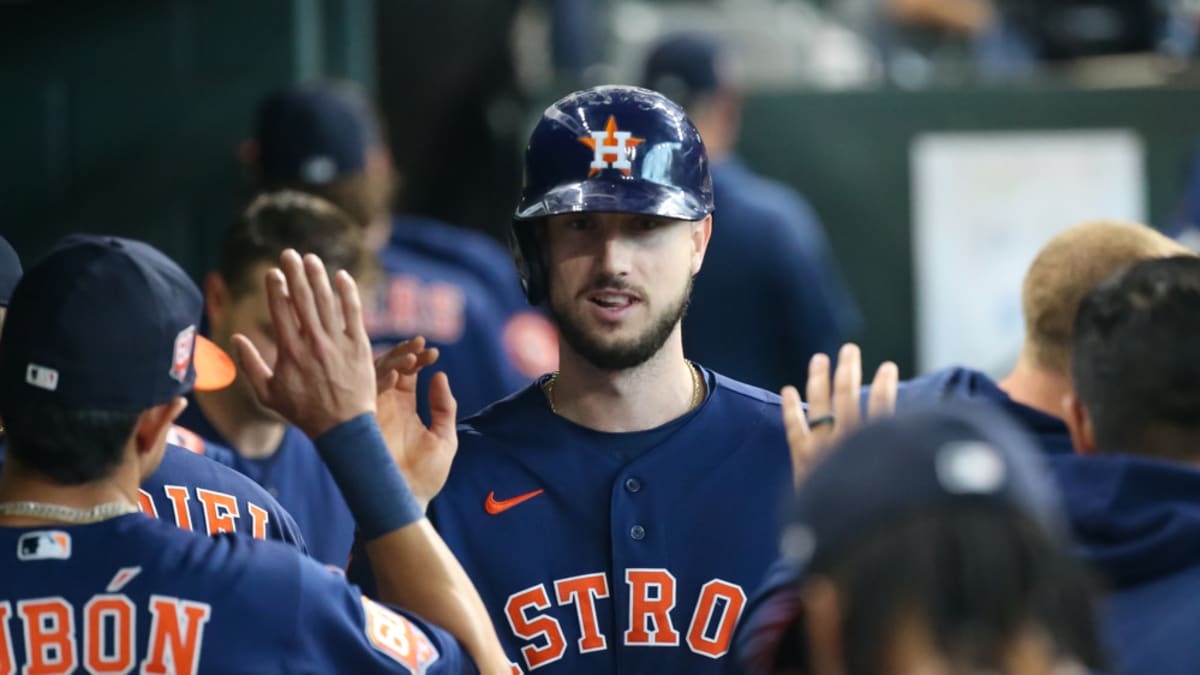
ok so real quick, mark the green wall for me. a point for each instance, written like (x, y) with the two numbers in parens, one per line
(124, 117)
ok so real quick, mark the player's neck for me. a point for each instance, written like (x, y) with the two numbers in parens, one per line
(1036, 387)
(20, 485)
(634, 399)
(251, 435)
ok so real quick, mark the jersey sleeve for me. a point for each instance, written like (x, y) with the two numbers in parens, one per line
(339, 630)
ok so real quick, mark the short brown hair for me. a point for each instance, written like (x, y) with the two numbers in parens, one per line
(276, 221)
(1070, 265)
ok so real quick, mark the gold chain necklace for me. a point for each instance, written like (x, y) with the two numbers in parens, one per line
(697, 388)
(67, 514)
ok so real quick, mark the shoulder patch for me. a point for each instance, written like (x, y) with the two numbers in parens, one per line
(398, 638)
(531, 343)
(185, 439)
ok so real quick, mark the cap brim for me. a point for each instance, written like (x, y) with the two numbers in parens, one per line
(214, 368)
(633, 196)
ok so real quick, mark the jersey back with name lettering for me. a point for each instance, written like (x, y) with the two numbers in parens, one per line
(198, 492)
(137, 594)
(195, 489)
(295, 475)
(618, 552)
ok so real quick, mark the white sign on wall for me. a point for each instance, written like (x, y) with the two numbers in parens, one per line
(983, 205)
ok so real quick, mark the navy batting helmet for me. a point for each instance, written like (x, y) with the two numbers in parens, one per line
(609, 149)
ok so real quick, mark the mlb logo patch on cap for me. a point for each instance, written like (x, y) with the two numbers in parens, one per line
(44, 545)
(41, 377)
(185, 342)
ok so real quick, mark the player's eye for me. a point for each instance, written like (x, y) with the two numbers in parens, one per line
(579, 224)
(647, 224)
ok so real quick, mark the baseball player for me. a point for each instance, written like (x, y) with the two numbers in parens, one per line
(191, 488)
(616, 514)
(325, 140)
(89, 585)
(930, 542)
(1065, 269)
(274, 454)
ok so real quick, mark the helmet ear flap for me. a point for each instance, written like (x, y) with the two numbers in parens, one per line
(531, 264)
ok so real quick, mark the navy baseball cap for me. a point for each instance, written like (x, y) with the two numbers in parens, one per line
(103, 323)
(957, 454)
(683, 65)
(10, 271)
(310, 135)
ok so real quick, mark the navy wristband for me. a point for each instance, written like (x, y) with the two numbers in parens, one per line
(376, 493)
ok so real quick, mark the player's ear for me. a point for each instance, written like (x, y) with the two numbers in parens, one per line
(1079, 424)
(217, 299)
(822, 626)
(154, 424)
(701, 234)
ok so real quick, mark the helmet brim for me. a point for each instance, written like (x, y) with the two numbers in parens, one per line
(632, 196)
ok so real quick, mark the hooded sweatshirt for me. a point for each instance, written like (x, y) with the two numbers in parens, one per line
(1136, 520)
(963, 383)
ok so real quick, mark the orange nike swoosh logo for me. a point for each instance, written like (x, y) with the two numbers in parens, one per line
(495, 507)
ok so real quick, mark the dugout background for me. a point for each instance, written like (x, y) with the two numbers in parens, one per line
(124, 118)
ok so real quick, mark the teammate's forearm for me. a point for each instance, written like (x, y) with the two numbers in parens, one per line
(415, 570)
(413, 567)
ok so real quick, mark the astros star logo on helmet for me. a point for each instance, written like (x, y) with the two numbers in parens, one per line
(611, 148)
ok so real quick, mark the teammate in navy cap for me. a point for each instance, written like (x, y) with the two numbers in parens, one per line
(454, 287)
(770, 283)
(193, 486)
(632, 493)
(98, 353)
(928, 542)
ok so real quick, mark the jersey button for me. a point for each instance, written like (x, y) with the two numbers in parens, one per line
(637, 532)
(633, 484)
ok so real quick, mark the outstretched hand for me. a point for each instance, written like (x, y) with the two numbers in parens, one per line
(833, 414)
(424, 454)
(323, 374)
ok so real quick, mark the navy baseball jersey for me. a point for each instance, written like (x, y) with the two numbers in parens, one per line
(300, 481)
(487, 351)
(475, 252)
(136, 593)
(193, 491)
(618, 552)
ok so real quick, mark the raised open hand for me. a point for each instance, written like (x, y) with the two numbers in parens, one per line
(833, 411)
(424, 454)
(324, 374)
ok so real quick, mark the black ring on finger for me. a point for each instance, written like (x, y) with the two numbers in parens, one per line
(818, 421)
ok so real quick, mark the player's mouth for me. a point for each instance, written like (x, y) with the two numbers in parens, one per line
(610, 305)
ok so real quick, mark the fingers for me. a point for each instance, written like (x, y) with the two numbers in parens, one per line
(254, 367)
(287, 329)
(301, 293)
(817, 388)
(400, 355)
(882, 400)
(352, 311)
(793, 420)
(847, 387)
(326, 304)
(386, 381)
(443, 409)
